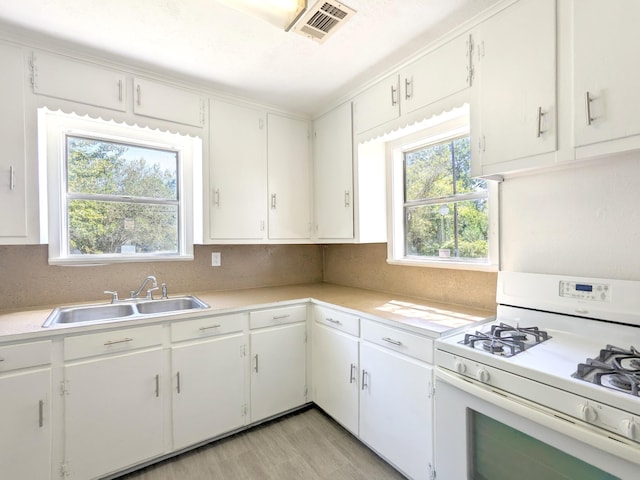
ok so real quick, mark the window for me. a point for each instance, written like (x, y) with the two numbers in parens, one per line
(440, 214)
(116, 192)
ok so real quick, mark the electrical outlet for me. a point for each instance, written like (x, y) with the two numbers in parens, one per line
(215, 259)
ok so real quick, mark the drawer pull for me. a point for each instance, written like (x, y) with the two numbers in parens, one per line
(157, 385)
(280, 317)
(336, 322)
(1, 359)
(113, 342)
(392, 341)
(178, 382)
(41, 413)
(202, 329)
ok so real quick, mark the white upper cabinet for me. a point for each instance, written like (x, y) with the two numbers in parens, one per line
(516, 107)
(13, 178)
(606, 76)
(443, 72)
(289, 181)
(333, 174)
(237, 172)
(166, 102)
(377, 105)
(78, 81)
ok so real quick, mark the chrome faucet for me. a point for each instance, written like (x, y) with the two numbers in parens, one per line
(150, 278)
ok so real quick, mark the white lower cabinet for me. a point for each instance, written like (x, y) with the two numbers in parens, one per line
(208, 379)
(113, 403)
(278, 361)
(25, 416)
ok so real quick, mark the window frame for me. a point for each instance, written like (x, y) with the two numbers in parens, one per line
(436, 131)
(53, 129)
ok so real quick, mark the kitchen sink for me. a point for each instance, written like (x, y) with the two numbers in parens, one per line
(123, 310)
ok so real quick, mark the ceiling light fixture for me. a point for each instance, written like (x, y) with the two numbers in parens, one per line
(281, 13)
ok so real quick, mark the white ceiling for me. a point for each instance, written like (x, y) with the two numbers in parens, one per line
(243, 55)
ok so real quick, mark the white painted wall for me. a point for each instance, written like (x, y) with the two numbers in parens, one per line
(581, 220)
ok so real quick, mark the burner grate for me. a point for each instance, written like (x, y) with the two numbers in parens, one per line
(615, 368)
(505, 340)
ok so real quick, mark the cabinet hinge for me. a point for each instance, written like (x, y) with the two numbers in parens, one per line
(470, 69)
(306, 391)
(243, 350)
(64, 388)
(432, 472)
(34, 72)
(244, 410)
(65, 469)
(431, 391)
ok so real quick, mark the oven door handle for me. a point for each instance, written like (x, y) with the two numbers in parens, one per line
(551, 419)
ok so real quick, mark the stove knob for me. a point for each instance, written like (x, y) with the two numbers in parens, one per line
(587, 412)
(482, 375)
(629, 428)
(460, 367)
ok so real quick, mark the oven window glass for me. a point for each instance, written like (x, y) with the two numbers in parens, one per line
(499, 452)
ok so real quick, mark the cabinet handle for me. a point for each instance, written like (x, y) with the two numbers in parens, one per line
(139, 94)
(202, 329)
(352, 377)
(540, 114)
(273, 201)
(394, 91)
(280, 317)
(216, 197)
(1, 359)
(587, 105)
(364, 378)
(12, 178)
(157, 385)
(178, 382)
(113, 342)
(347, 198)
(392, 341)
(255, 368)
(335, 322)
(41, 413)
(119, 90)
(408, 89)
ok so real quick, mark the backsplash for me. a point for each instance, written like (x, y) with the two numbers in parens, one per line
(29, 281)
(365, 266)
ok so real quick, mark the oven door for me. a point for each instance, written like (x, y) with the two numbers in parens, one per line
(484, 434)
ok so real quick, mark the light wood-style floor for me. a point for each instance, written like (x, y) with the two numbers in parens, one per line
(306, 445)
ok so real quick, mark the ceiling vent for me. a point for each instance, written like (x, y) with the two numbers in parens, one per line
(322, 21)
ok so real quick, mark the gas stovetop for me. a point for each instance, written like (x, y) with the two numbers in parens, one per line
(506, 340)
(616, 368)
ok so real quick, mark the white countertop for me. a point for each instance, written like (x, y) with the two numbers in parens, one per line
(419, 315)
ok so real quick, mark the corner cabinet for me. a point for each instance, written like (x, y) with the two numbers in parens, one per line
(333, 175)
(25, 416)
(605, 76)
(113, 401)
(515, 115)
(13, 167)
(277, 344)
(207, 378)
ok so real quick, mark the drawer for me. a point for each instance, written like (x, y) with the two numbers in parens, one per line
(278, 316)
(25, 355)
(339, 320)
(113, 341)
(398, 340)
(206, 327)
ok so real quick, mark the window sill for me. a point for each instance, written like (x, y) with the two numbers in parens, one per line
(447, 264)
(107, 260)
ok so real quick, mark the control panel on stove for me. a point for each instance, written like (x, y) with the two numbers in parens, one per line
(599, 292)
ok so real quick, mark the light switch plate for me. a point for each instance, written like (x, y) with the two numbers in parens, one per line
(216, 261)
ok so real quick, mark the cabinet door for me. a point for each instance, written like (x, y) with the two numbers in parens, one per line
(396, 410)
(77, 81)
(25, 418)
(278, 370)
(333, 174)
(518, 82)
(13, 189)
(208, 389)
(113, 413)
(437, 75)
(166, 102)
(606, 39)
(335, 375)
(377, 105)
(238, 172)
(288, 177)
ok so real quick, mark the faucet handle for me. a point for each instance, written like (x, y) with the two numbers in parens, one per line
(149, 294)
(114, 295)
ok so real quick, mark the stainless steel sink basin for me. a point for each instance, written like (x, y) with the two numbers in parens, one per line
(124, 310)
(170, 305)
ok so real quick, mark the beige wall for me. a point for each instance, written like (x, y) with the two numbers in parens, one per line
(365, 266)
(27, 280)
